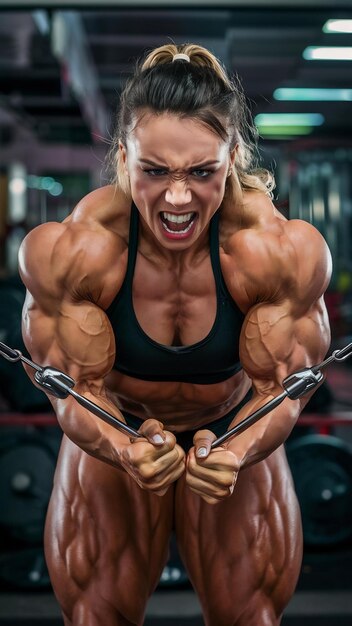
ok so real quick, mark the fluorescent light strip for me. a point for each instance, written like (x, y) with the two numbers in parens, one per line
(338, 26)
(327, 53)
(289, 119)
(312, 94)
(284, 132)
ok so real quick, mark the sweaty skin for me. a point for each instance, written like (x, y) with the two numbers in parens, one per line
(116, 501)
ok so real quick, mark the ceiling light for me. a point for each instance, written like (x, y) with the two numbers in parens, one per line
(284, 132)
(41, 18)
(313, 94)
(289, 119)
(338, 26)
(17, 186)
(328, 53)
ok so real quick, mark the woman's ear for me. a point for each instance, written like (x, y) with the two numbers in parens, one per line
(232, 159)
(122, 169)
(233, 155)
(123, 156)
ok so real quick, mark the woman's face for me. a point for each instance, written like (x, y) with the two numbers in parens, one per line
(177, 170)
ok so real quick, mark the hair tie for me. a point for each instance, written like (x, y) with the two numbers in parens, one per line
(182, 57)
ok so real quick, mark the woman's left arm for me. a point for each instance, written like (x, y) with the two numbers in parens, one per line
(280, 335)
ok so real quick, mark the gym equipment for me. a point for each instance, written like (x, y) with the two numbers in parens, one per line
(27, 465)
(321, 467)
(61, 385)
(24, 569)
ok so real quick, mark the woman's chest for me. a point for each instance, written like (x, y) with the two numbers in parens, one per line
(175, 305)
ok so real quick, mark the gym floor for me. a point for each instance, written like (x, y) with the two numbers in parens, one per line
(316, 601)
(323, 597)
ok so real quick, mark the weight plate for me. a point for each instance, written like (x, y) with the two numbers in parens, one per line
(26, 478)
(322, 472)
(24, 569)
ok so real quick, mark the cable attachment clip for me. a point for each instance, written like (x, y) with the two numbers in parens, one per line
(54, 382)
(298, 384)
(9, 354)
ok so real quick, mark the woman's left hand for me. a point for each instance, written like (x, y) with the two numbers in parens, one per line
(211, 474)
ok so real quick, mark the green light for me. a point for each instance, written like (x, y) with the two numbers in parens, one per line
(289, 119)
(338, 26)
(284, 132)
(56, 189)
(312, 94)
(47, 183)
(328, 53)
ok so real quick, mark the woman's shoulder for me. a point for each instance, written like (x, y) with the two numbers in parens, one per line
(273, 254)
(251, 215)
(89, 242)
(107, 206)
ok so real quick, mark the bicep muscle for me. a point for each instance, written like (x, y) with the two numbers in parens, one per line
(76, 338)
(275, 342)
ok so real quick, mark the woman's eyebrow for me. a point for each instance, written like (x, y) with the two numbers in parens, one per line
(206, 163)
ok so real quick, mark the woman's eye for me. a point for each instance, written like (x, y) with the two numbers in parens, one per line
(201, 173)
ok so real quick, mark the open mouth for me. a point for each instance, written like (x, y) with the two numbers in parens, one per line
(177, 226)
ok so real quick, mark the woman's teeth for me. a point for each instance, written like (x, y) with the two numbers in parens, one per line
(179, 224)
(178, 219)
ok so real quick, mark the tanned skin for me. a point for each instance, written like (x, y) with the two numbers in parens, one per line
(116, 501)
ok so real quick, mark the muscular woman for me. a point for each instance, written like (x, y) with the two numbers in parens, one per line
(178, 298)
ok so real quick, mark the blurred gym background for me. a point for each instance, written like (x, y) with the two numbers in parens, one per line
(62, 67)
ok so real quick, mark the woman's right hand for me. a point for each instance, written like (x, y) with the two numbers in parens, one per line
(156, 461)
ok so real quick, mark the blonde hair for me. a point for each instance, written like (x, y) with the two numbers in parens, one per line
(200, 89)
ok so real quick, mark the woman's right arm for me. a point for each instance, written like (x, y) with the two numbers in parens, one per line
(75, 336)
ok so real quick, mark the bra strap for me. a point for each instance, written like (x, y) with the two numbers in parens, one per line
(132, 243)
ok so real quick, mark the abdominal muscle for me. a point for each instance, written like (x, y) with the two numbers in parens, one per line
(179, 406)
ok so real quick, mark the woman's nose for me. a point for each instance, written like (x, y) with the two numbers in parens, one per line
(178, 193)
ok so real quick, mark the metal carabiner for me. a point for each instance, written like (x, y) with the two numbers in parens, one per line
(9, 354)
(14, 356)
(345, 353)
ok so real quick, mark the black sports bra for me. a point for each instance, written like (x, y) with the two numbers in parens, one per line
(211, 360)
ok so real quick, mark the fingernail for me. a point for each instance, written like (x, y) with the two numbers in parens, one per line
(202, 452)
(158, 439)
